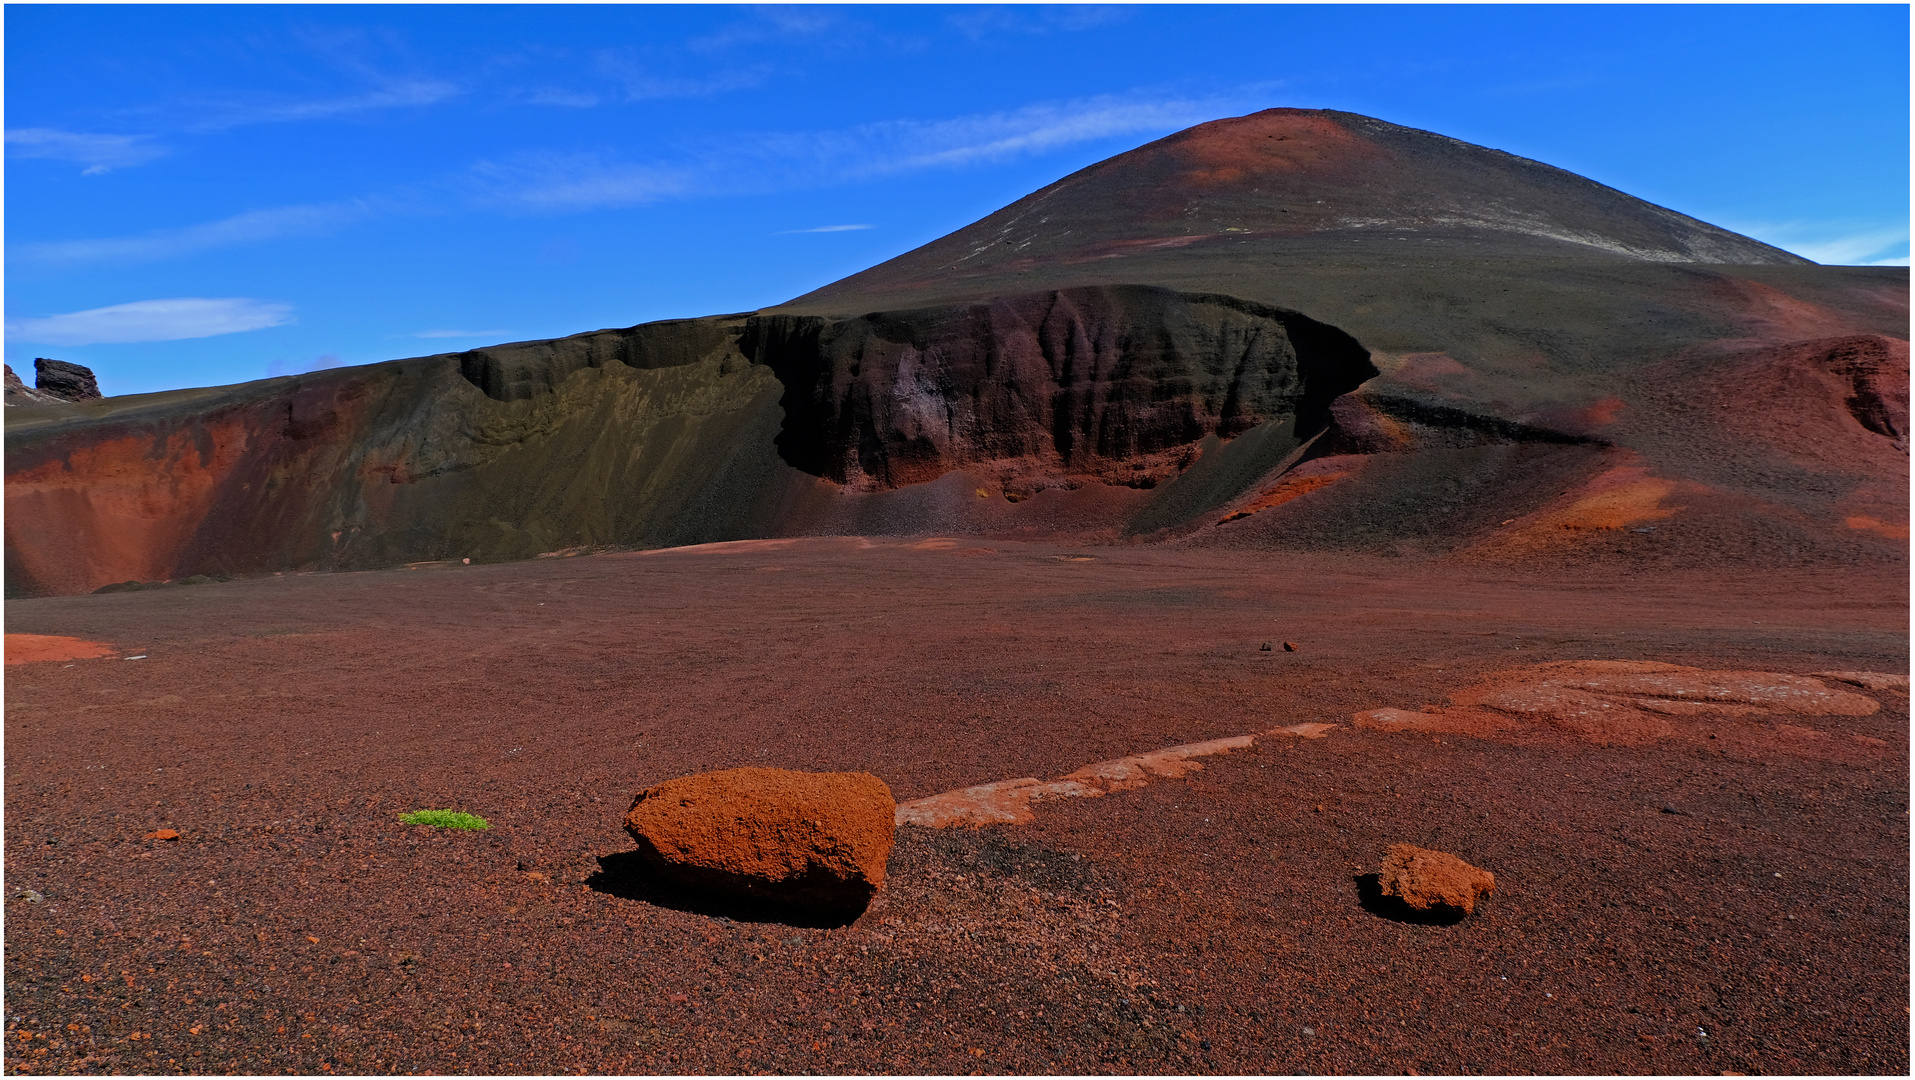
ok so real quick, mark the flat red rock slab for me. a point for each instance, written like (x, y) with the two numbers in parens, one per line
(1635, 703)
(38, 648)
(1008, 802)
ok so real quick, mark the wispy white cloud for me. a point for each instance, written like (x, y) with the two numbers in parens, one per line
(777, 161)
(252, 227)
(741, 164)
(824, 228)
(460, 334)
(770, 23)
(909, 145)
(176, 319)
(393, 94)
(984, 21)
(638, 82)
(99, 153)
(552, 95)
(1836, 243)
(576, 182)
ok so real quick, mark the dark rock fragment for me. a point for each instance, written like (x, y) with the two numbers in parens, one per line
(68, 382)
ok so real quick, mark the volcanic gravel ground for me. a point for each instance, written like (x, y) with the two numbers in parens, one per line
(1659, 909)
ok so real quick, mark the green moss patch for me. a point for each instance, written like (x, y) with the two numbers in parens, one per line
(445, 819)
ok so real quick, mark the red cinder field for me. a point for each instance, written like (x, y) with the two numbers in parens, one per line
(1730, 897)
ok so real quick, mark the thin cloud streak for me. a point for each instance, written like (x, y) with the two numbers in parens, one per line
(99, 153)
(254, 226)
(770, 23)
(979, 23)
(1030, 130)
(552, 95)
(177, 319)
(625, 70)
(1836, 243)
(823, 229)
(575, 182)
(756, 164)
(405, 93)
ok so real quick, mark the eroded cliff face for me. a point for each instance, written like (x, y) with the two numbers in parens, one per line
(405, 461)
(678, 432)
(1113, 385)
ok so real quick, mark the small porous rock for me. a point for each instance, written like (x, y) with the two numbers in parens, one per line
(1289, 646)
(812, 840)
(163, 834)
(1435, 881)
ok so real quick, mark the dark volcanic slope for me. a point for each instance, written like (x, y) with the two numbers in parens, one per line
(1294, 173)
(1566, 370)
(1166, 345)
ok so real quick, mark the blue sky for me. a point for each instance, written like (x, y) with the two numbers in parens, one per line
(204, 195)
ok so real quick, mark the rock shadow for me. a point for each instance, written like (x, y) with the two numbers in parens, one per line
(624, 874)
(1369, 896)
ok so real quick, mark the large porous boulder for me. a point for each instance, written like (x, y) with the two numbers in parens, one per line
(1433, 881)
(68, 382)
(810, 840)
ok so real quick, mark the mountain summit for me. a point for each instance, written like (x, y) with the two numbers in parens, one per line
(1306, 180)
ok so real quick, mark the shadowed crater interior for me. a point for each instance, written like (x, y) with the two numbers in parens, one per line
(1102, 382)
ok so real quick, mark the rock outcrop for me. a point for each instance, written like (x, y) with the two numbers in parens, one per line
(19, 393)
(68, 382)
(55, 381)
(1433, 882)
(1115, 385)
(817, 841)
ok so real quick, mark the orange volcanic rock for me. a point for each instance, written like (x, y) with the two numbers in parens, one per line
(1433, 880)
(812, 840)
(33, 648)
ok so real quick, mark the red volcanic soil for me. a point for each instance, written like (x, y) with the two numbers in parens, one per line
(1662, 905)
